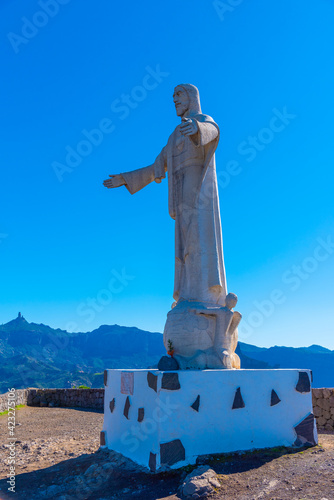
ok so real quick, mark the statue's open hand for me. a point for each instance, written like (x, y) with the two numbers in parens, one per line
(114, 181)
(188, 126)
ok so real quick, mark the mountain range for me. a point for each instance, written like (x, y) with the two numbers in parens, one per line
(36, 355)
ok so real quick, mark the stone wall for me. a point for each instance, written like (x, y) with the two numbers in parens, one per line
(323, 408)
(21, 396)
(83, 398)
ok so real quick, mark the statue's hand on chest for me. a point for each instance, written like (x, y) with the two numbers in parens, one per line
(188, 127)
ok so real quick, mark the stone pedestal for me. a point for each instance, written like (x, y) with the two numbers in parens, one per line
(169, 418)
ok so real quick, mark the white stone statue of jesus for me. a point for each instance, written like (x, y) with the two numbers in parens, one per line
(189, 160)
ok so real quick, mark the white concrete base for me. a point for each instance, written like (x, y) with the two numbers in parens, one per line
(170, 418)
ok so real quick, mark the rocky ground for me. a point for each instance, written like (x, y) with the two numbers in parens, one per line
(57, 457)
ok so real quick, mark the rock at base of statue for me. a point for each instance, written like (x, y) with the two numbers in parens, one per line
(168, 419)
(168, 363)
(203, 336)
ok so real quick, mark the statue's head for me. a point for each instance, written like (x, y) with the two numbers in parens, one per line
(186, 100)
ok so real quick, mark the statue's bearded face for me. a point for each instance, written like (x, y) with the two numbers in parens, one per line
(181, 101)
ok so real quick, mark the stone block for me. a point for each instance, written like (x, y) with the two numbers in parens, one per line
(152, 463)
(152, 381)
(321, 421)
(317, 393)
(327, 393)
(167, 363)
(127, 406)
(141, 414)
(326, 414)
(127, 382)
(170, 416)
(303, 384)
(306, 431)
(170, 381)
(102, 438)
(200, 483)
(172, 452)
(325, 404)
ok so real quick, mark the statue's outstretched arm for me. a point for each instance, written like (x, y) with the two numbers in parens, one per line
(138, 179)
(133, 181)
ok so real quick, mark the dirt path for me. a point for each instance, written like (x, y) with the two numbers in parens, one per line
(57, 457)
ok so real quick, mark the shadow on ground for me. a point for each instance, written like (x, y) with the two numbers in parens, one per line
(246, 461)
(91, 476)
(106, 475)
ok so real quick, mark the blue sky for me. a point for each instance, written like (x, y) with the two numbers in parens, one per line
(75, 255)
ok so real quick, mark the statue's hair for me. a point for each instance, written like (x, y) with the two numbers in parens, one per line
(193, 94)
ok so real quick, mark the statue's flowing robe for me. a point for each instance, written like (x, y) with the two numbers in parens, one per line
(194, 205)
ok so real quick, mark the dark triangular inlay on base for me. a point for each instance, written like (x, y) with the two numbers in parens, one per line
(127, 408)
(274, 398)
(195, 405)
(238, 401)
(112, 405)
